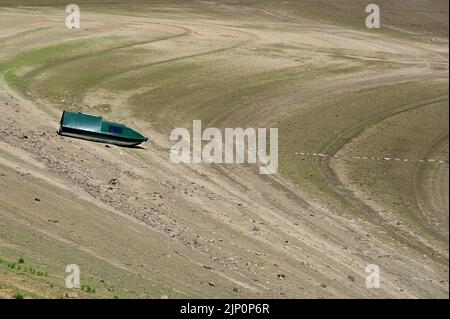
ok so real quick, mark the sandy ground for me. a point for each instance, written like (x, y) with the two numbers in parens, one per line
(150, 227)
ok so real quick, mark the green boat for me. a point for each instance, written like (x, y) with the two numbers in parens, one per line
(94, 128)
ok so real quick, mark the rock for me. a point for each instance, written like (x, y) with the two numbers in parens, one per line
(255, 228)
(114, 181)
(37, 199)
(211, 284)
(281, 276)
(352, 278)
(323, 285)
(235, 289)
(71, 294)
(164, 297)
(107, 146)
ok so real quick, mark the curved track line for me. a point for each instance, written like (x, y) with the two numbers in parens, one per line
(333, 181)
(147, 65)
(21, 33)
(348, 134)
(418, 179)
(38, 71)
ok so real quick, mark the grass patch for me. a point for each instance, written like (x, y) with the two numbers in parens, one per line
(88, 289)
(84, 53)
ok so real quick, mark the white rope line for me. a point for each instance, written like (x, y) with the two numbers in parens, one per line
(371, 158)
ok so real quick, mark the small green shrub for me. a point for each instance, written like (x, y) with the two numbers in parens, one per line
(88, 289)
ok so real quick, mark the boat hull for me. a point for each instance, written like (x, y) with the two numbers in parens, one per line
(99, 137)
(94, 128)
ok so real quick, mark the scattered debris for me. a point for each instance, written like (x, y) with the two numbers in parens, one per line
(114, 181)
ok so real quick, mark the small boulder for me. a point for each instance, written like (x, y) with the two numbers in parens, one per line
(71, 294)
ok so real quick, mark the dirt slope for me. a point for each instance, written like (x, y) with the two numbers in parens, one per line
(139, 225)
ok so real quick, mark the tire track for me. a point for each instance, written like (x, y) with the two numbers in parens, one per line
(432, 198)
(334, 182)
(21, 34)
(36, 72)
(176, 59)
